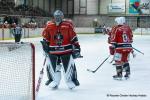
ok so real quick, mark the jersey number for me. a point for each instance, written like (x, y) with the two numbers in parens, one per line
(125, 37)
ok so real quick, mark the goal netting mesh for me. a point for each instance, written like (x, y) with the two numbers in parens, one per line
(17, 71)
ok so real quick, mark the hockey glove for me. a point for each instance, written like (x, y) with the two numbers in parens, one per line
(111, 50)
(45, 46)
(133, 54)
(76, 54)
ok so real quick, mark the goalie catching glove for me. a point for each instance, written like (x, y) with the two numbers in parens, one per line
(45, 46)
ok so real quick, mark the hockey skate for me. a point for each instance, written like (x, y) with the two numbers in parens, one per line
(117, 77)
(54, 88)
(127, 76)
(126, 68)
(53, 85)
(48, 82)
(71, 85)
(76, 82)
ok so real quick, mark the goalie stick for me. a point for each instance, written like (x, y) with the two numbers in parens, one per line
(40, 78)
(93, 71)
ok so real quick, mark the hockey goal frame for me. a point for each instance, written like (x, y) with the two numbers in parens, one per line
(33, 62)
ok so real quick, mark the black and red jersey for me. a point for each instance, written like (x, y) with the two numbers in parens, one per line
(121, 36)
(62, 38)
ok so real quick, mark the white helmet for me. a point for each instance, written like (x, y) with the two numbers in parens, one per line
(120, 20)
(58, 16)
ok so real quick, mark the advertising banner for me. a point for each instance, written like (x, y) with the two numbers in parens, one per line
(134, 6)
(145, 6)
(116, 8)
(139, 7)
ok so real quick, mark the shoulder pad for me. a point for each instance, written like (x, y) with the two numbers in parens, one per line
(50, 23)
(68, 22)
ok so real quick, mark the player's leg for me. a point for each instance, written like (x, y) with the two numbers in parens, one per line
(53, 70)
(119, 72)
(19, 37)
(70, 72)
(16, 38)
(50, 79)
(118, 64)
(126, 66)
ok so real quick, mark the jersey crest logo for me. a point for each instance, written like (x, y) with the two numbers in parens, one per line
(58, 39)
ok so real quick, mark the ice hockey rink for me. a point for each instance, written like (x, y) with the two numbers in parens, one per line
(99, 85)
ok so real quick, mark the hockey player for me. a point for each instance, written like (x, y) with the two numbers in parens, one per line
(120, 38)
(61, 43)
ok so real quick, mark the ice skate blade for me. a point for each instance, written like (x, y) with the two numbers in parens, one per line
(71, 88)
(126, 78)
(119, 79)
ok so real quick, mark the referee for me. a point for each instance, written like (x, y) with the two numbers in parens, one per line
(17, 33)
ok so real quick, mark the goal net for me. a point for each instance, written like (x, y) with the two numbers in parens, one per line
(17, 71)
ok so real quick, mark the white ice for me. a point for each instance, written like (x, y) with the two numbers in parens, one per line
(100, 85)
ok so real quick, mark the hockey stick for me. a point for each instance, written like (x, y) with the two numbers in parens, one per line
(40, 78)
(93, 71)
(138, 50)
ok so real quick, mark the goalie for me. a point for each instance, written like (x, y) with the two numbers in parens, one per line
(61, 44)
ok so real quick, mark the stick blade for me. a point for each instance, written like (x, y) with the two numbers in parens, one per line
(90, 71)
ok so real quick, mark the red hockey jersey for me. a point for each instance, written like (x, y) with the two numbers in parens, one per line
(62, 38)
(121, 36)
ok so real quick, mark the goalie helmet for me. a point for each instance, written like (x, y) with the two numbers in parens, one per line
(120, 20)
(58, 17)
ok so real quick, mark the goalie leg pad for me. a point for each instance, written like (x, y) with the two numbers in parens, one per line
(53, 70)
(70, 72)
(50, 79)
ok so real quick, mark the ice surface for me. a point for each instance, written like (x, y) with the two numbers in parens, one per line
(100, 85)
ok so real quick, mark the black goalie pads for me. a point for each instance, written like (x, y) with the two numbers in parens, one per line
(45, 46)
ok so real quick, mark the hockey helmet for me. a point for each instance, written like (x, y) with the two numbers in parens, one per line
(120, 20)
(58, 16)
